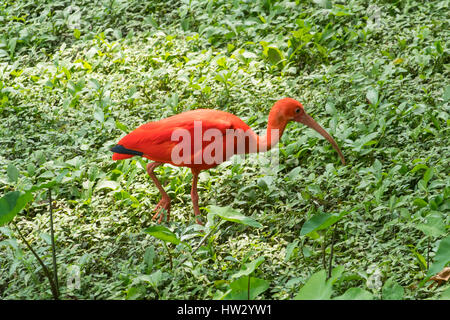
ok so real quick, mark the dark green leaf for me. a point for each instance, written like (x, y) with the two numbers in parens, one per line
(162, 233)
(11, 204)
(230, 214)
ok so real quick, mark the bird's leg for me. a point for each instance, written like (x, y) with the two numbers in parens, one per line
(164, 203)
(194, 195)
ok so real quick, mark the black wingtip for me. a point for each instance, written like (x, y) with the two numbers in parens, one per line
(121, 149)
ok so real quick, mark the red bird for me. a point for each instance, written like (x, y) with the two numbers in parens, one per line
(203, 138)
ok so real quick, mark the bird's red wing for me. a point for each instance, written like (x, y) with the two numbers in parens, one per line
(157, 139)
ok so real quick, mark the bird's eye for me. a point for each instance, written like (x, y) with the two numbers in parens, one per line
(297, 110)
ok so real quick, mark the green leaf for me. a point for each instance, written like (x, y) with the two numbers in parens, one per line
(248, 268)
(392, 290)
(76, 33)
(428, 174)
(99, 115)
(290, 250)
(442, 257)
(438, 46)
(12, 172)
(422, 261)
(446, 95)
(162, 233)
(239, 288)
(107, 184)
(274, 55)
(372, 96)
(316, 288)
(321, 221)
(434, 226)
(445, 295)
(11, 204)
(230, 214)
(122, 127)
(419, 167)
(420, 202)
(95, 84)
(153, 279)
(294, 174)
(324, 3)
(355, 294)
(46, 237)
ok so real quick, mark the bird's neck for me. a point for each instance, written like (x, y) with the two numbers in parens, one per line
(275, 129)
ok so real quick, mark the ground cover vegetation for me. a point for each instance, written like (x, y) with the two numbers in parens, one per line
(75, 76)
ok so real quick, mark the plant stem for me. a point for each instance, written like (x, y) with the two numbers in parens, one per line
(331, 250)
(53, 288)
(203, 241)
(324, 264)
(170, 256)
(52, 234)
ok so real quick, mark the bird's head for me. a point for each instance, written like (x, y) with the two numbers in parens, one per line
(289, 109)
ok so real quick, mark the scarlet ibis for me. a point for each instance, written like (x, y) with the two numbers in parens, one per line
(203, 138)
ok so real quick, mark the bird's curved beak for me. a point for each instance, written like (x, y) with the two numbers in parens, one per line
(307, 120)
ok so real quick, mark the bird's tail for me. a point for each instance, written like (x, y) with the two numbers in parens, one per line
(120, 152)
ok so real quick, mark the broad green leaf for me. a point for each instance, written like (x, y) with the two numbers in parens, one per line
(363, 141)
(162, 233)
(316, 288)
(76, 33)
(94, 83)
(107, 184)
(419, 167)
(44, 185)
(428, 174)
(239, 288)
(445, 295)
(290, 249)
(321, 221)
(335, 274)
(99, 115)
(392, 290)
(134, 293)
(422, 261)
(248, 268)
(274, 55)
(149, 256)
(434, 226)
(12, 172)
(372, 96)
(420, 202)
(294, 174)
(11, 204)
(355, 294)
(153, 279)
(442, 257)
(230, 214)
(122, 127)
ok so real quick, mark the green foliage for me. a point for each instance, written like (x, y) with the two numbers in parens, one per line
(11, 204)
(392, 290)
(75, 76)
(162, 233)
(229, 214)
(442, 257)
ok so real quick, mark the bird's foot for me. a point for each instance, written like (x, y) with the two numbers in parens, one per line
(199, 221)
(162, 206)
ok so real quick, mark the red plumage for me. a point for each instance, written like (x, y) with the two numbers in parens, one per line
(160, 141)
